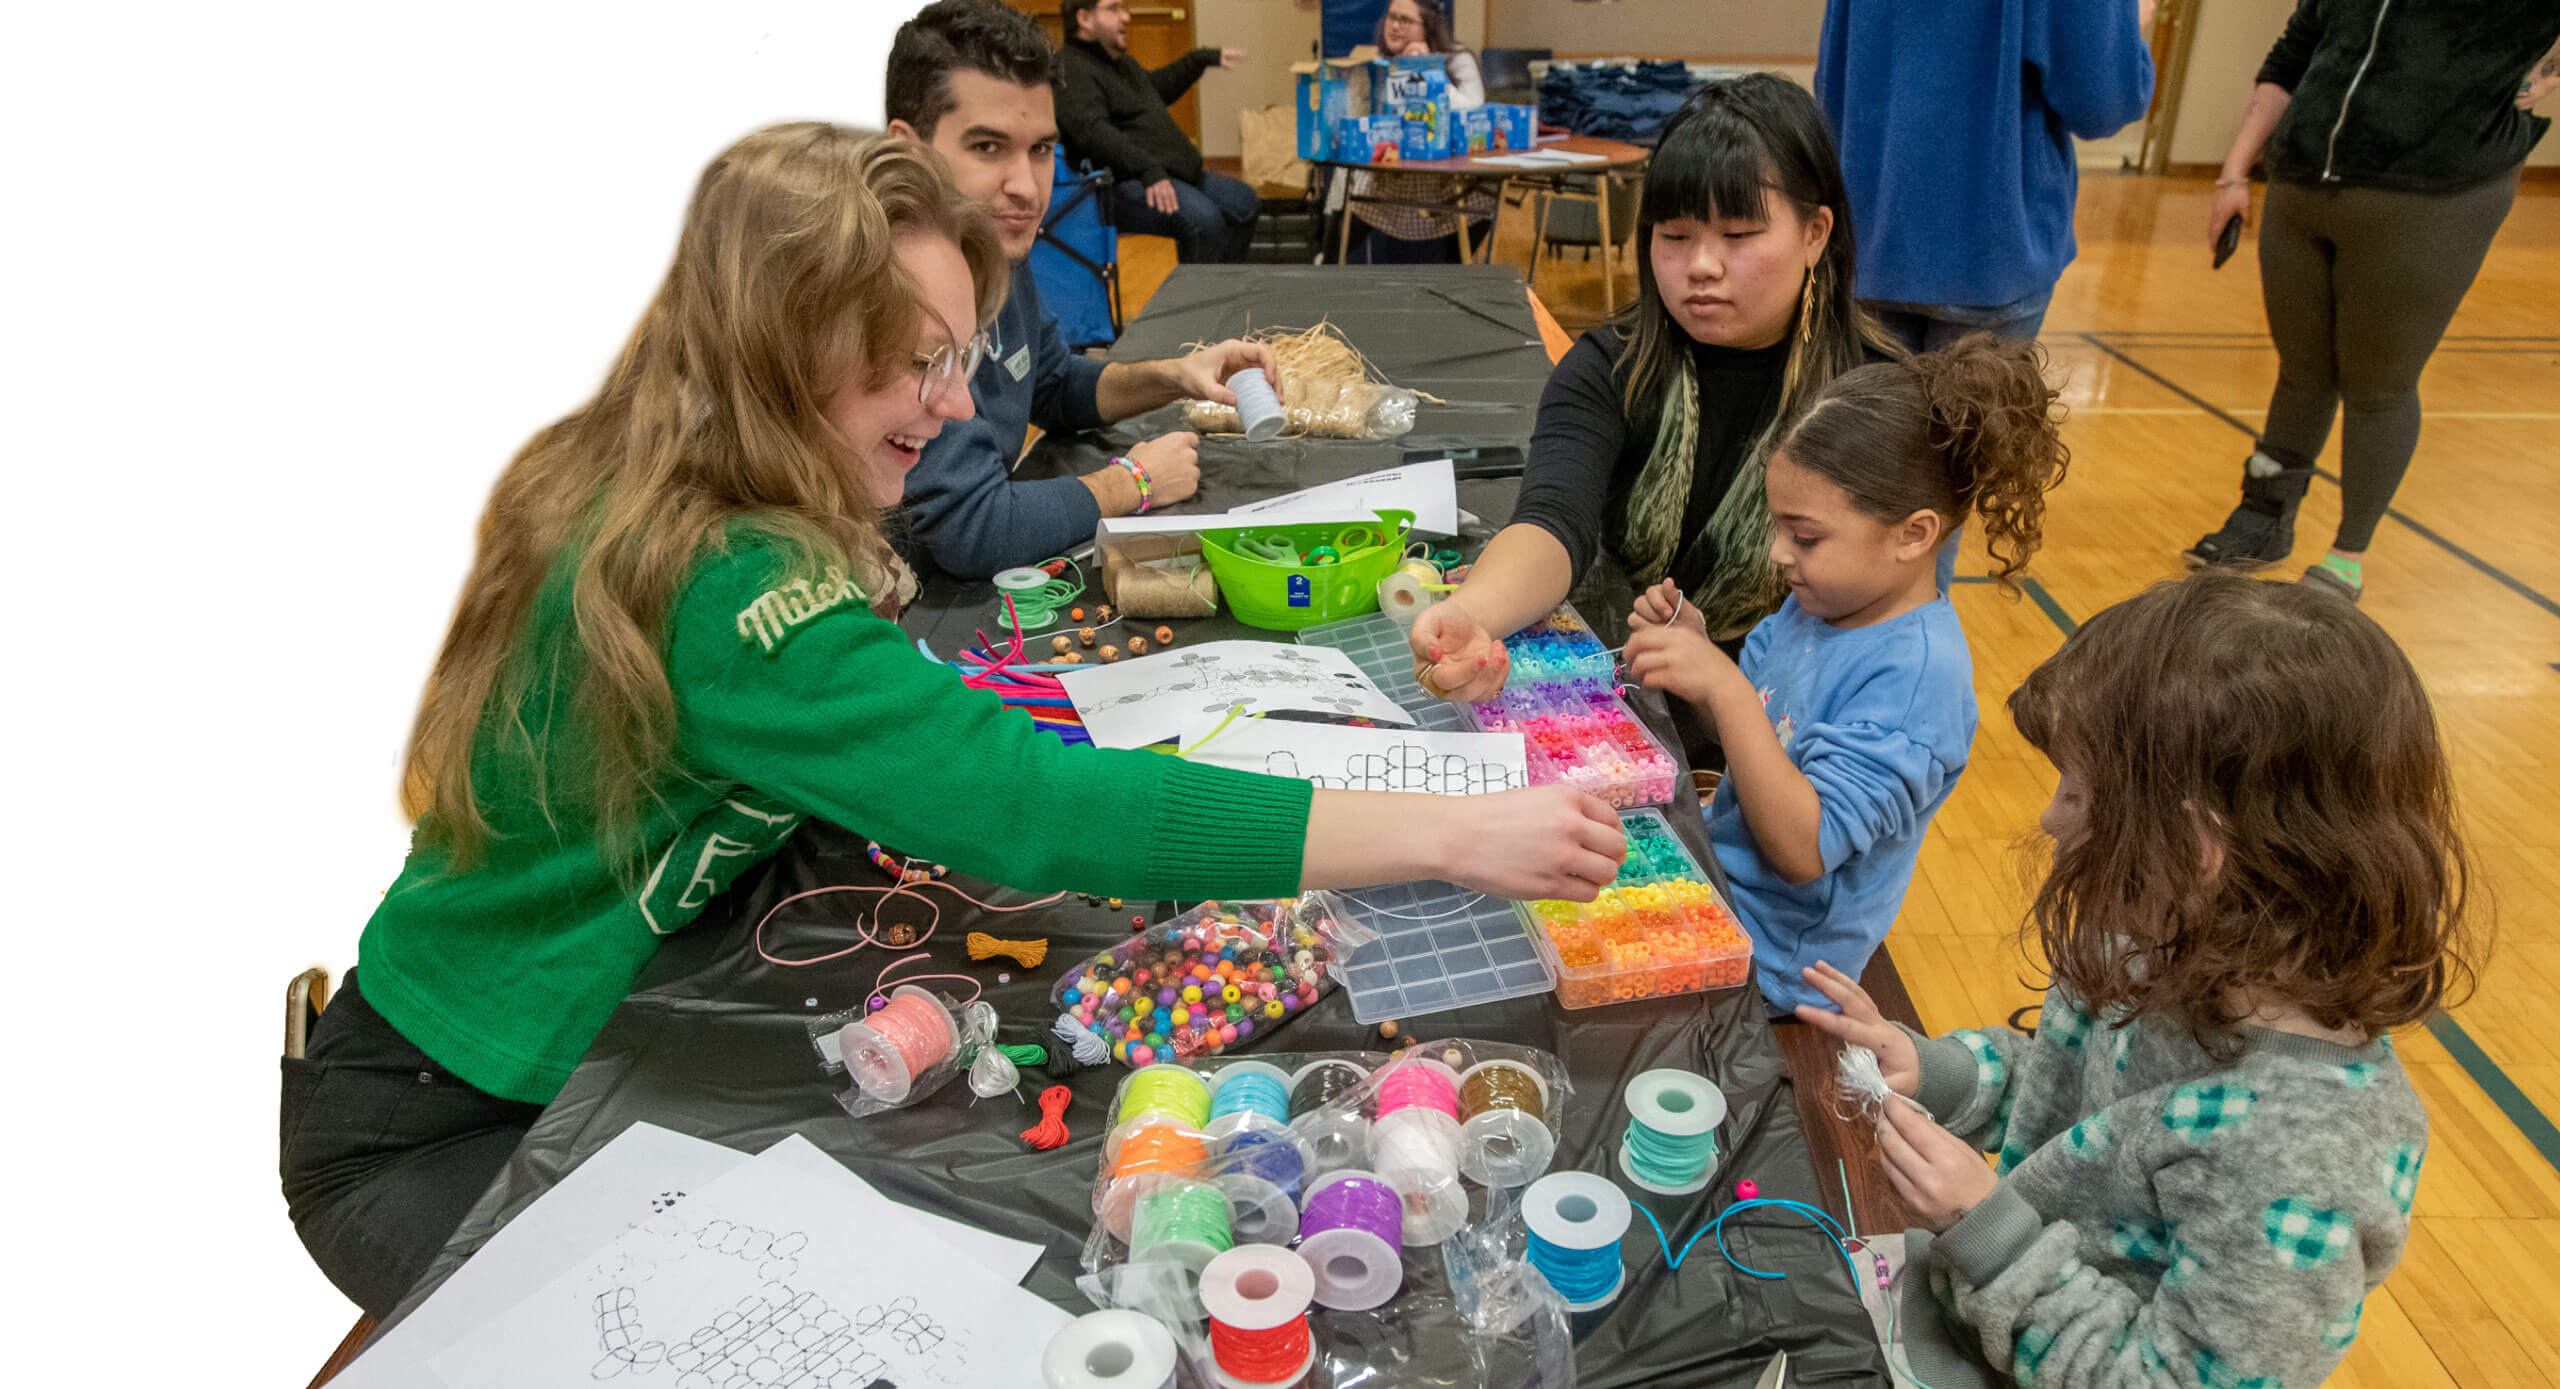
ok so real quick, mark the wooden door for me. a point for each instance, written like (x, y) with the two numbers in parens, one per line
(1158, 34)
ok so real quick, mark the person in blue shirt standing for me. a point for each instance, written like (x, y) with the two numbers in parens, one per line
(1852, 713)
(973, 81)
(1955, 119)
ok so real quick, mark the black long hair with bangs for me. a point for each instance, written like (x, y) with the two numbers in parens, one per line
(1734, 144)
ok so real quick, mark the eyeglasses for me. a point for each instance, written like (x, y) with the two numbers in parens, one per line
(946, 366)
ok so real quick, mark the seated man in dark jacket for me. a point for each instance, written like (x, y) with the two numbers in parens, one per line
(972, 80)
(1113, 113)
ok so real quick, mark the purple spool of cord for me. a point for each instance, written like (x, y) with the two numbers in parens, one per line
(1351, 1232)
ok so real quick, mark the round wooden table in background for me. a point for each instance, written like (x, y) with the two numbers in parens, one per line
(1463, 173)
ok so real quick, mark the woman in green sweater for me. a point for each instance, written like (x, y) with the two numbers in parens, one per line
(674, 646)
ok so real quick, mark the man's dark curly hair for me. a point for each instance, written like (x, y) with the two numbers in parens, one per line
(977, 35)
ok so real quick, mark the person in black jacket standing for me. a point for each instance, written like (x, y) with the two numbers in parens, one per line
(1112, 112)
(2393, 133)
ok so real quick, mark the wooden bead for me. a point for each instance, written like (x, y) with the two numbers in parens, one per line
(1103, 613)
(1075, 614)
(1164, 636)
(1085, 636)
(1387, 1029)
(1062, 644)
(1111, 653)
(1071, 659)
(1137, 646)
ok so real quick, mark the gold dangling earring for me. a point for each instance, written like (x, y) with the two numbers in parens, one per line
(1804, 311)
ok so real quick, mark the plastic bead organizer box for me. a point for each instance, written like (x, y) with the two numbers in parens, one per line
(1562, 698)
(1659, 929)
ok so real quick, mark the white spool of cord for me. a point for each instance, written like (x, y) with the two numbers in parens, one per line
(1257, 405)
(1416, 1151)
(1110, 1349)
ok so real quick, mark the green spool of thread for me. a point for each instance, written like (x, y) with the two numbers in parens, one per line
(1182, 1222)
(1176, 1091)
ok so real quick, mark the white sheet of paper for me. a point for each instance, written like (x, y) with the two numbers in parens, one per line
(1362, 759)
(1133, 703)
(1428, 489)
(643, 1172)
(774, 1271)
(1117, 527)
(1008, 1259)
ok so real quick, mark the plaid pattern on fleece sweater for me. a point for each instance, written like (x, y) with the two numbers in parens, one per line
(2163, 1217)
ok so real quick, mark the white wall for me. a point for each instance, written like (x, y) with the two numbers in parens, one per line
(1714, 29)
(290, 282)
(2231, 40)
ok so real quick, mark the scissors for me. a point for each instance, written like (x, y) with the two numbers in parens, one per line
(1272, 549)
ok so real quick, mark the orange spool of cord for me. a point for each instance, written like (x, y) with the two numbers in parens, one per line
(1136, 1152)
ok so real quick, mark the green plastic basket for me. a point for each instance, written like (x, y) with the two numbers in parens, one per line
(1285, 597)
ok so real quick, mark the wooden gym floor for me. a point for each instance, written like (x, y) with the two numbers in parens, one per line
(2167, 369)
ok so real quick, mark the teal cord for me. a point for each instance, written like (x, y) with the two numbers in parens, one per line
(1662, 1159)
(1828, 1227)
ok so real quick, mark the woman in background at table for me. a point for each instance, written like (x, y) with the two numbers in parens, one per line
(2207, 1151)
(1653, 430)
(1412, 235)
(675, 646)
(1851, 713)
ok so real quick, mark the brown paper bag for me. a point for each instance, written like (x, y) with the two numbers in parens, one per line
(1271, 147)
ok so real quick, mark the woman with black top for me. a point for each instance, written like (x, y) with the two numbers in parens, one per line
(2393, 134)
(1651, 434)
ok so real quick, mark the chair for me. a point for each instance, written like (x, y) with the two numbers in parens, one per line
(1506, 74)
(304, 996)
(1076, 261)
(1588, 211)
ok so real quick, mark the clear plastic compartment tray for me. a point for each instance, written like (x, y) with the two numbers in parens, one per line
(1659, 929)
(1562, 698)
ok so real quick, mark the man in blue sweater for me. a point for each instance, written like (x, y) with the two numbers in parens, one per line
(1955, 120)
(973, 80)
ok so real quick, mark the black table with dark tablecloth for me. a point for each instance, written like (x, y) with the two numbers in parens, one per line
(713, 1041)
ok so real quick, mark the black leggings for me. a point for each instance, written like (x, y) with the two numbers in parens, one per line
(384, 1151)
(2360, 283)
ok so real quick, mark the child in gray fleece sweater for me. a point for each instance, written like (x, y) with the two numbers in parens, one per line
(2207, 1150)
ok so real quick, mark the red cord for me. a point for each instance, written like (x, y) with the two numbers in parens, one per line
(1260, 1357)
(1051, 1131)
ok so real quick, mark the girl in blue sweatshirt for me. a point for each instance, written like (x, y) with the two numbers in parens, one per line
(1852, 713)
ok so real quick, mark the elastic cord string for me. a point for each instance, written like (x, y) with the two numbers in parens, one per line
(1829, 1228)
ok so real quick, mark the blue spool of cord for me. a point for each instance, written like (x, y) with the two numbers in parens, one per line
(1575, 1222)
(1249, 1126)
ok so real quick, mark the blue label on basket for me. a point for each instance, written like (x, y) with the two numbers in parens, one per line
(1301, 593)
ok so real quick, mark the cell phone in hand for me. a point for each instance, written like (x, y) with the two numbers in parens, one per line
(2229, 242)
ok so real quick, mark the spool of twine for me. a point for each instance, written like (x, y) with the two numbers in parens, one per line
(1159, 576)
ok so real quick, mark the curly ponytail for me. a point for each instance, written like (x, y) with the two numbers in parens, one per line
(1970, 429)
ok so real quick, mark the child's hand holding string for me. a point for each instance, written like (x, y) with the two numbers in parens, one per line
(1939, 1176)
(1678, 659)
(1662, 605)
(1859, 1021)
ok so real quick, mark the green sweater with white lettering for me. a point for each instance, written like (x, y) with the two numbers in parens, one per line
(792, 700)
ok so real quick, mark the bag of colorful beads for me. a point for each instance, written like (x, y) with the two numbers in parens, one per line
(1217, 978)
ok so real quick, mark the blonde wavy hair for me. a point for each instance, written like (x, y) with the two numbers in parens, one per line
(785, 286)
